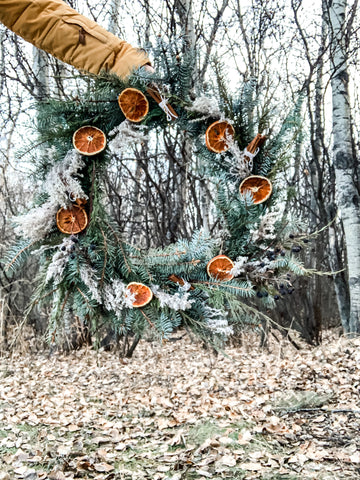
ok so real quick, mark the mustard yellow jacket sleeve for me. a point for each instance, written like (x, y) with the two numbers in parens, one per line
(53, 26)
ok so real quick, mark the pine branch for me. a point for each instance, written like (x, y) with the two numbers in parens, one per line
(105, 257)
(19, 256)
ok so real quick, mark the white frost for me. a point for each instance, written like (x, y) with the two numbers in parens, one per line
(116, 297)
(177, 301)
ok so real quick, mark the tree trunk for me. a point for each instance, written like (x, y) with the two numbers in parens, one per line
(340, 280)
(41, 73)
(3, 327)
(185, 14)
(348, 198)
(114, 14)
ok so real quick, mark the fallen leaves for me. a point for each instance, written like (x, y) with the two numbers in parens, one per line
(176, 409)
(252, 466)
(244, 437)
(103, 467)
(73, 428)
(228, 460)
(56, 475)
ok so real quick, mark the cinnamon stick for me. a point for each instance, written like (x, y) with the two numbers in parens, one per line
(256, 143)
(155, 93)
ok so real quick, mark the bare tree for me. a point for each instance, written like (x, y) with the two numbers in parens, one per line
(345, 164)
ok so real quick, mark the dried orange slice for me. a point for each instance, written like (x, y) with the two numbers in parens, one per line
(259, 187)
(71, 220)
(220, 267)
(219, 136)
(143, 294)
(89, 140)
(133, 104)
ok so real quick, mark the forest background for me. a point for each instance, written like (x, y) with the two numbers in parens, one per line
(296, 61)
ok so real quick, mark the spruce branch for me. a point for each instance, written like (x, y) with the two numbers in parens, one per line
(120, 243)
(105, 257)
(147, 318)
(15, 258)
(84, 297)
(65, 300)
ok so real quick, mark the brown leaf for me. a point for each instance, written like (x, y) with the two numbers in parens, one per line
(84, 465)
(251, 466)
(103, 467)
(355, 458)
(73, 428)
(162, 468)
(56, 475)
(244, 437)
(100, 440)
(120, 446)
(299, 459)
(228, 460)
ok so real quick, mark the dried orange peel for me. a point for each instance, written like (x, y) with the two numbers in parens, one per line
(89, 140)
(220, 267)
(143, 294)
(219, 136)
(71, 220)
(133, 104)
(259, 187)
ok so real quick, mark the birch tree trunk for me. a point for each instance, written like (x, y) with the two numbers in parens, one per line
(41, 73)
(184, 9)
(114, 9)
(348, 198)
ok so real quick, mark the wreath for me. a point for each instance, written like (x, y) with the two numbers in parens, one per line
(88, 270)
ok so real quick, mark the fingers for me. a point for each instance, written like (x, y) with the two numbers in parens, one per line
(149, 68)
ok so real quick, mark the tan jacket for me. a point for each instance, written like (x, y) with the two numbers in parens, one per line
(53, 26)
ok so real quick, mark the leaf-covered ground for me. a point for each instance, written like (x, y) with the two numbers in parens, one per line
(178, 412)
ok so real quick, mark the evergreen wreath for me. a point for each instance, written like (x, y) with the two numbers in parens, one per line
(89, 270)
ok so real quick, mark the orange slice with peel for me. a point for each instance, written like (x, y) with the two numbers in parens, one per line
(220, 267)
(219, 136)
(260, 188)
(133, 104)
(71, 220)
(143, 294)
(89, 140)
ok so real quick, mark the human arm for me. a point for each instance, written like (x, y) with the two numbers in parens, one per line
(55, 27)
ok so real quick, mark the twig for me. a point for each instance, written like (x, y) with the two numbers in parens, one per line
(148, 319)
(120, 245)
(344, 410)
(105, 257)
(84, 296)
(219, 284)
(65, 301)
(321, 409)
(91, 199)
(18, 254)
(163, 254)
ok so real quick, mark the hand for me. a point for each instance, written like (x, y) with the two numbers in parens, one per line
(149, 68)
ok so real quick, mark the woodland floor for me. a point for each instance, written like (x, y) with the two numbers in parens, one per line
(177, 412)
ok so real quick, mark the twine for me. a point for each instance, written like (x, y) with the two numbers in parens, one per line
(164, 106)
(251, 155)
